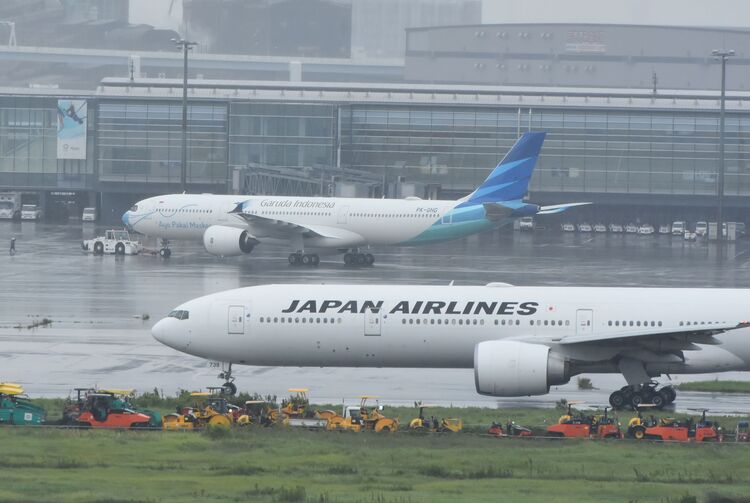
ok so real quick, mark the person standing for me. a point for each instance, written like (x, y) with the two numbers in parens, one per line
(13, 245)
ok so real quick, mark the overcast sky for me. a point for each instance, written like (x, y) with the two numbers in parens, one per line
(728, 13)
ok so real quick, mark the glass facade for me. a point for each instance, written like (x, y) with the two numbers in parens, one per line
(596, 151)
(282, 135)
(142, 142)
(28, 147)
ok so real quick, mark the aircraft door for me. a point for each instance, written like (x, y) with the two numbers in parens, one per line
(373, 322)
(236, 320)
(343, 213)
(584, 322)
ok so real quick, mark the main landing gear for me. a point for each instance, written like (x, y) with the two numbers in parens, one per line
(228, 388)
(165, 252)
(306, 259)
(359, 259)
(633, 395)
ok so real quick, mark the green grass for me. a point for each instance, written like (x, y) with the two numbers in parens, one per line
(716, 386)
(267, 465)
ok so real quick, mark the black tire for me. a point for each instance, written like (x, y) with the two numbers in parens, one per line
(98, 248)
(119, 249)
(669, 394)
(639, 432)
(348, 259)
(167, 253)
(315, 260)
(637, 399)
(229, 388)
(293, 259)
(306, 260)
(617, 400)
(657, 400)
(361, 259)
(369, 259)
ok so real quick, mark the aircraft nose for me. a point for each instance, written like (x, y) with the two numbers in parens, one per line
(157, 331)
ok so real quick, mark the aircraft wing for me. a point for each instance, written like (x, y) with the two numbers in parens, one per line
(285, 228)
(557, 208)
(703, 335)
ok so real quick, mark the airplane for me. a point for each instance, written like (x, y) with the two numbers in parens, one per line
(519, 340)
(232, 225)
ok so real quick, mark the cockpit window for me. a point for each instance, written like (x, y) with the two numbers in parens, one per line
(134, 207)
(179, 314)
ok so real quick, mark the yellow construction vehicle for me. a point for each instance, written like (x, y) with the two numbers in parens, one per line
(361, 418)
(257, 412)
(454, 425)
(215, 411)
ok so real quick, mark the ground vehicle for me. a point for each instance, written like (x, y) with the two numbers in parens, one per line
(215, 411)
(88, 215)
(683, 431)
(362, 418)
(615, 228)
(256, 412)
(17, 409)
(600, 227)
(105, 410)
(122, 398)
(646, 229)
(637, 424)
(584, 227)
(631, 228)
(526, 223)
(454, 425)
(665, 229)
(742, 432)
(646, 393)
(30, 212)
(568, 227)
(10, 206)
(678, 228)
(511, 429)
(690, 236)
(113, 241)
(701, 228)
(581, 426)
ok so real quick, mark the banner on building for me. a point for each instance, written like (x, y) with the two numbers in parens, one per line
(71, 129)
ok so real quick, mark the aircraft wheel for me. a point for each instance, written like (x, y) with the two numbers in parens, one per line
(369, 259)
(315, 260)
(617, 400)
(294, 259)
(229, 388)
(668, 393)
(637, 399)
(348, 259)
(657, 400)
(306, 259)
(165, 252)
(361, 259)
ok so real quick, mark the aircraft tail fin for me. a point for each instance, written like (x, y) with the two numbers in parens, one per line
(510, 179)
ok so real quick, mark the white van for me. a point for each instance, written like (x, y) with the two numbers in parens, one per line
(701, 228)
(30, 212)
(88, 215)
(678, 228)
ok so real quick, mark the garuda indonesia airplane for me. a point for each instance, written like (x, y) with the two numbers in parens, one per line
(232, 225)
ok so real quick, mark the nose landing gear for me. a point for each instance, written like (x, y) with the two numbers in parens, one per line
(633, 395)
(165, 252)
(228, 388)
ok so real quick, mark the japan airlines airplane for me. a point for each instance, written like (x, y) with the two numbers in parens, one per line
(233, 225)
(519, 340)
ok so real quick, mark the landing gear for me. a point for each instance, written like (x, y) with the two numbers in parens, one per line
(165, 252)
(632, 396)
(359, 259)
(306, 259)
(228, 388)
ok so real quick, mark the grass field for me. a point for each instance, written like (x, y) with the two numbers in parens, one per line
(716, 386)
(317, 466)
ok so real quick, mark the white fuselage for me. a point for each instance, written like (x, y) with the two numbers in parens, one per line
(439, 326)
(348, 222)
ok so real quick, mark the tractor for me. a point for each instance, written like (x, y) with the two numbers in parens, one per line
(215, 411)
(432, 424)
(511, 429)
(572, 426)
(16, 408)
(361, 418)
(258, 412)
(294, 407)
(638, 424)
(742, 432)
(123, 398)
(684, 431)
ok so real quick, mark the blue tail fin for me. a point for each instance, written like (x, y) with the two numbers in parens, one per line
(510, 179)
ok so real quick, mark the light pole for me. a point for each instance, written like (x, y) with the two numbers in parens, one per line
(723, 55)
(185, 46)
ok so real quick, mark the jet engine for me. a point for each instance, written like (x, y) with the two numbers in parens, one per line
(513, 368)
(228, 241)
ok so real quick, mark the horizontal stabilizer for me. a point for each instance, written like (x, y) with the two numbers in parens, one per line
(557, 208)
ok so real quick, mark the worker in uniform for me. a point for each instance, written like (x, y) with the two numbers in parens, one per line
(13, 245)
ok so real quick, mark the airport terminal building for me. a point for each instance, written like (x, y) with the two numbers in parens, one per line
(636, 152)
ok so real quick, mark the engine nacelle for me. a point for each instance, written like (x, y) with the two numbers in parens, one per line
(512, 368)
(228, 241)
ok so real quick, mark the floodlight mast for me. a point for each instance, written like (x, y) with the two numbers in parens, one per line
(185, 46)
(723, 55)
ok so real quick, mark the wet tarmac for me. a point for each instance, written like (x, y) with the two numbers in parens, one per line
(99, 335)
